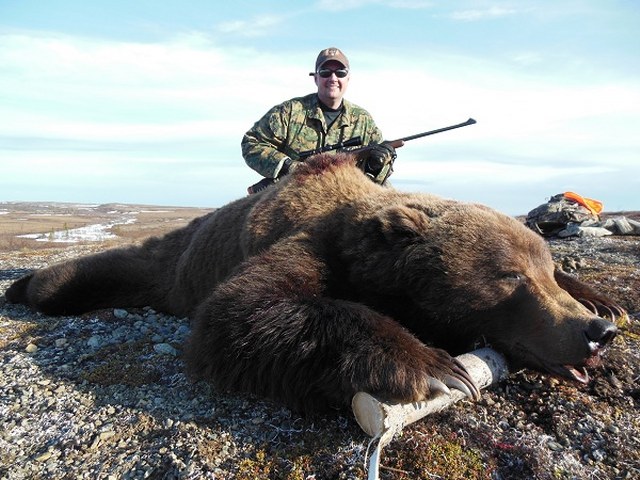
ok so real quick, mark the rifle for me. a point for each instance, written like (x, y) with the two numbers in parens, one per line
(356, 141)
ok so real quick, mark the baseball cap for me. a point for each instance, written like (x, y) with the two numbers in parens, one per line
(331, 53)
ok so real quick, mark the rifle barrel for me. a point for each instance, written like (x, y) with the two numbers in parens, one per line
(471, 121)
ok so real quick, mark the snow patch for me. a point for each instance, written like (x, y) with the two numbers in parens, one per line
(91, 233)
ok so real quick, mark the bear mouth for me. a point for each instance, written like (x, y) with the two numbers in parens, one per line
(574, 371)
(577, 372)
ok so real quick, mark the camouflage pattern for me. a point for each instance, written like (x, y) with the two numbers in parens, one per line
(297, 126)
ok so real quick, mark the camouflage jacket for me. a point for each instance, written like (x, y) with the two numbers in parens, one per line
(298, 125)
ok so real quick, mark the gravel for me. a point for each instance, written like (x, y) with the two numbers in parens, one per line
(104, 395)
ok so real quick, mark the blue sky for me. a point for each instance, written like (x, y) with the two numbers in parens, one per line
(146, 102)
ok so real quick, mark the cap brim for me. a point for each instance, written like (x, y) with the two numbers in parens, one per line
(331, 60)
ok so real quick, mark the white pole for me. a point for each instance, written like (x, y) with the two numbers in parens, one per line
(383, 421)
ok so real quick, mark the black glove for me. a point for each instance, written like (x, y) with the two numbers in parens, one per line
(287, 167)
(376, 161)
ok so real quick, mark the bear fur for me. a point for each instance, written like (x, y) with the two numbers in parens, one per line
(328, 284)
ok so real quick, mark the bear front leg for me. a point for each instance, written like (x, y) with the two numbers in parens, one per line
(269, 330)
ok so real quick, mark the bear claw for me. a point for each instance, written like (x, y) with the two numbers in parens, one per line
(436, 386)
(460, 374)
(468, 388)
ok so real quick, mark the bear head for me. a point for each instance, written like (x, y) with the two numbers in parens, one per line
(459, 275)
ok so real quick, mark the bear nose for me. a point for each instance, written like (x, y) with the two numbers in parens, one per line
(601, 331)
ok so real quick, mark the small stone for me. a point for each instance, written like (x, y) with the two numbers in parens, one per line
(120, 313)
(61, 342)
(44, 457)
(31, 348)
(182, 331)
(614, 381)
(613, 428)
(165, 349)
(94, 341)
(555, 446)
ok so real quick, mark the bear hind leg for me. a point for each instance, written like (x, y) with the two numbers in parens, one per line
(17, 291)
(115, 278)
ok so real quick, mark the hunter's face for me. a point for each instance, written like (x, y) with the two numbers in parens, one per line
(332, 88)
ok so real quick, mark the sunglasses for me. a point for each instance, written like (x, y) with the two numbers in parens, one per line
(326, 73)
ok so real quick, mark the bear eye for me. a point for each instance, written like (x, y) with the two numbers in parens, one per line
(513, 277)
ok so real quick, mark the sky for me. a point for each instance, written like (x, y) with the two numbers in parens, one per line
(139, 101)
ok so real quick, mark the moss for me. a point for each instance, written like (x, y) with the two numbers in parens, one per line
(297, 462)
(260, 466)
(433, 458)
(437, 457)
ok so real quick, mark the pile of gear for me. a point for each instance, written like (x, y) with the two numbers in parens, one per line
(571, 215)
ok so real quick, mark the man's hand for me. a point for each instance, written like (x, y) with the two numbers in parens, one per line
(288, 166)
(376, 161)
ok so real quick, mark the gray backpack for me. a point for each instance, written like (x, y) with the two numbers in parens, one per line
(550, 218)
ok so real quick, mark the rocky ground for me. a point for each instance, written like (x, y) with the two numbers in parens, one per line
(103, 395)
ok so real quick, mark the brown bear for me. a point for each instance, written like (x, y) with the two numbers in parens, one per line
(328, 284)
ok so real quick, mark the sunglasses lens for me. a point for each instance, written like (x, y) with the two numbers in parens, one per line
(326, 73)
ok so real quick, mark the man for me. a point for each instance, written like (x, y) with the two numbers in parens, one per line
(272, 147)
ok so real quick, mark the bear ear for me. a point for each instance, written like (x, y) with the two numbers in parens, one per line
(403, 221)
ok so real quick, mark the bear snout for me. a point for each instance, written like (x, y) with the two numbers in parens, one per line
(600, 333)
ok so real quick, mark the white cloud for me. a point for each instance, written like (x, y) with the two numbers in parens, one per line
(342, 5)
(528, 59)
(508, 104)
(482, 14)
(184, 88)
(339, 5)
(187, 87)
(255, 27)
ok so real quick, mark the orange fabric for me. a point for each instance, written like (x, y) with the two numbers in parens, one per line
(594, 206)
